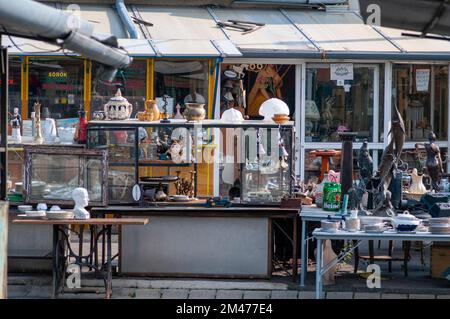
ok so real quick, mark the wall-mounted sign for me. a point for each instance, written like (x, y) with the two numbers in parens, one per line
(57, 74)
(341, 71)
(422, 80)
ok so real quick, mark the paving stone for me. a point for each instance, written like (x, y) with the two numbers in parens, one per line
(229, 294)
(421, 296)
(394, 296)
(257, 294)
(443, 296)
(40, 292)
(366, 295)
(202, 294)
(175, 294)
(284, 294)
(18, 291)
(306, 295)
(208, 284)
(133, 293)
(339, 295)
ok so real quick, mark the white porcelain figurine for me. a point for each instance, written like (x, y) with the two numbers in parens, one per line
(81, 198)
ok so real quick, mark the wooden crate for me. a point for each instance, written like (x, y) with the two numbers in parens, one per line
(440, 261)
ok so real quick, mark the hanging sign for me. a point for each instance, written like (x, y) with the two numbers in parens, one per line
(422, 80)
(341, 71)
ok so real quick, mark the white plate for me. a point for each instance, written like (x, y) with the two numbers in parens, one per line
(30, 217)
(24, 208)
(180, 198)
(374, 231)
(35, 213)
(60, 215)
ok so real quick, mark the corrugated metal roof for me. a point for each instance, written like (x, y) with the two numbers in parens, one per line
(185, 48)
(340, 31)
(180, 23)
(414, 44)
(278, 34)
(137, 47)
(104, 18)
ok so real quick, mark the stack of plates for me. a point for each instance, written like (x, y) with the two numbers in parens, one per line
(440, 225)
(25, 208)
(60, 214)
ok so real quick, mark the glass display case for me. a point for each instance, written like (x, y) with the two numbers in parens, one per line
(249, 162)
(52, 173)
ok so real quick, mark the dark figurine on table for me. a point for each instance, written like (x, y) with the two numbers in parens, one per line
(365, 162)
(434, 161)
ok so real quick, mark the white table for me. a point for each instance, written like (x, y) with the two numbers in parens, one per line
(310, 214)
(361, 235)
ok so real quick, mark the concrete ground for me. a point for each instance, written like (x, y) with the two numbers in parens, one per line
(417, 285)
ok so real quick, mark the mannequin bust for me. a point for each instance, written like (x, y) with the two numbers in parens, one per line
(81, 198)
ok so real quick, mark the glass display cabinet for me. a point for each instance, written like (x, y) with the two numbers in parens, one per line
(248, 162)
(52, 173)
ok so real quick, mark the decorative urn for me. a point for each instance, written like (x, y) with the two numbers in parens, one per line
(194, 112)
(118, 107)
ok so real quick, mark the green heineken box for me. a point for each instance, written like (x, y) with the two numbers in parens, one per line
(331, 196)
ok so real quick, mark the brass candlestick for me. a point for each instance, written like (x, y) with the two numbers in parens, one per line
(37, 126)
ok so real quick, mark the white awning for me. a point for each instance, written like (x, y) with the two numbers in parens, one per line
(413, 44)
(184, 32)
(340, 31)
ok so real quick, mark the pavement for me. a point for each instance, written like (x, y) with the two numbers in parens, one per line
(395, 285)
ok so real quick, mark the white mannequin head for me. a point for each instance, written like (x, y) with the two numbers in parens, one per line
(80, 196)
(16, 110)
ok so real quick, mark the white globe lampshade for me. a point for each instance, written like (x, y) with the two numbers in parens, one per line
(271, 107)
(232, 115)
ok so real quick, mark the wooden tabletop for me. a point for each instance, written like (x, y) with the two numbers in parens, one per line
(92, 221)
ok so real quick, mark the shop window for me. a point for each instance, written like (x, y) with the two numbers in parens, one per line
(181, 82)
(131, 81)
(420, 92)
(247, 86)
(14, 84)
(340, 97)
(313, 164)
(57, 84)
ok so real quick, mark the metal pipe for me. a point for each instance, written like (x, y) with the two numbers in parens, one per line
(126, 19)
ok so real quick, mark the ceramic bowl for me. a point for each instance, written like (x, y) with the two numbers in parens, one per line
(374, 228)
(330, 226)
(370, 220)
(352, 224)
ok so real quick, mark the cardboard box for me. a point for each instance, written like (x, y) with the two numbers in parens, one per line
(440, 262)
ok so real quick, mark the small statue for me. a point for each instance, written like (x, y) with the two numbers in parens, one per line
(434, 161)
(365, 162)
(81, 199)
(385, 208)
(16, 117)
(37, 124)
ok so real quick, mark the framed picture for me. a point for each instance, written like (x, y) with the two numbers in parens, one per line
(52, 173)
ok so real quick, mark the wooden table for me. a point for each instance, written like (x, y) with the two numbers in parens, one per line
(62, 249)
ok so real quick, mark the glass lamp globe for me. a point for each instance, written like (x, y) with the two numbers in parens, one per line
(271, 107)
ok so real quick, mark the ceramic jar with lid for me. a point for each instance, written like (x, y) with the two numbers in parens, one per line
(118, 108)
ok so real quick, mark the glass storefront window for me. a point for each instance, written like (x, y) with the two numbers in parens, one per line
(184, 81)
(255, 84)
(420, 92)
(313, 165)
(14, 83)
(334, 105)
(57, 84)
(131, 82)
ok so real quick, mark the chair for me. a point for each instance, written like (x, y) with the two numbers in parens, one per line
(385, 258)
